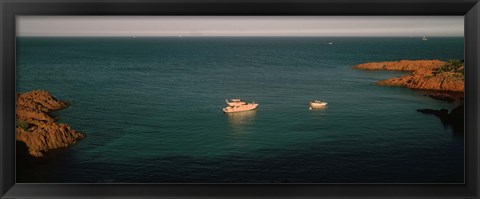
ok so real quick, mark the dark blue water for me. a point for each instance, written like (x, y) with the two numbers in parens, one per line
(151, 108)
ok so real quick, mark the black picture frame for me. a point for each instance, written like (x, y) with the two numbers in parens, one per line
(9, 9)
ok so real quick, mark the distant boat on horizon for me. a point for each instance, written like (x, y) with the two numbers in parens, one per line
(424, 38)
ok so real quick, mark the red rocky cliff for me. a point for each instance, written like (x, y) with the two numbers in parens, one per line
(423, 75)
(37, 128)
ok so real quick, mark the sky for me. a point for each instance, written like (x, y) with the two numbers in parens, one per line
(240, 26)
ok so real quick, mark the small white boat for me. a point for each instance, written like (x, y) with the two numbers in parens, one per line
(317, 104)
(424, 38)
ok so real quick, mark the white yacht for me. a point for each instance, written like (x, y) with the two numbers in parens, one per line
(236, 105)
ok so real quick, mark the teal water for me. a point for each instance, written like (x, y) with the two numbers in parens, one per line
(151, 108)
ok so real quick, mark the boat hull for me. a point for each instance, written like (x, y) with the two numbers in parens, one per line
(318, 105)
(246, 107)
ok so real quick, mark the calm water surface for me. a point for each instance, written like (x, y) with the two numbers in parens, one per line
(151, 108)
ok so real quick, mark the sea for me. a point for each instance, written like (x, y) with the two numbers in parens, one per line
(151, 108)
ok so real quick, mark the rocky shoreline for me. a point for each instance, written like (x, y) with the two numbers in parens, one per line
(438, 79)
(37, 128)
(425, 74)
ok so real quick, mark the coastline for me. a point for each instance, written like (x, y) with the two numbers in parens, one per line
(437, 79)
(153, 113)
(425, 75)
(37, 128)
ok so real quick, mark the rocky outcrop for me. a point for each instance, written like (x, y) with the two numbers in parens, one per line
(454, 118)
(427, 81)
(37, 128)
(438, 79)
(423, 76)
(403, 65)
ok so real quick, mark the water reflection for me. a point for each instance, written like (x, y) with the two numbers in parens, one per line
(318, 112)
(240, 122)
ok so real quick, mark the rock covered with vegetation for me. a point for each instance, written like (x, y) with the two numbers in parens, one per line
(37, 128)
(426, 74)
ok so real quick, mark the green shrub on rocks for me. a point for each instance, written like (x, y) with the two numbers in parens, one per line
(455, 66)
(22, 124)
